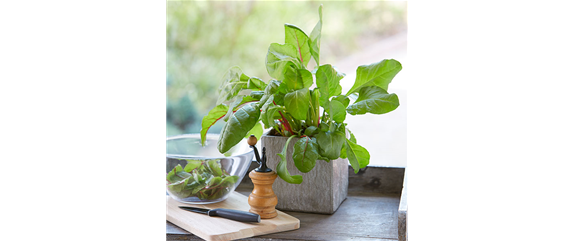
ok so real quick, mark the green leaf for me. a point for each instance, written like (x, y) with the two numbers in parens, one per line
(206, 180)
(279, 99)
(323, 127)
(377, 74)
(177, 179)
(266, 112)
(238, 103)
(344, 148)
(269, 91)
(271, 115)
(272, 87)
(197, 177)
(313, 115)
(229, 181)
(257, 131)
(337, 111)
(343, 152)
(330, 143)
(328, 79)
(343, 99)
(311, 130)
(358, 156)
(191, 165)
(269, 112)
(255, 83)
(177, 175)
(215, 167)
(214, 181)
(353, 139)
(315, 38)
(297, 103)
(244, 100)
(280, 56)
(305, 154)
(297, 79)
(201, 196)
(373, 99)
(256, 95)
(297, 37)
(194, 187)
(210, 119)
(237, 127)
(281, 168)
(233, 81)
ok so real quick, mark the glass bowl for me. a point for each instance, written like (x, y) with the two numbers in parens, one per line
(202, 175)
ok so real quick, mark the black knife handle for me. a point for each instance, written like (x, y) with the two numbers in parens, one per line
(236, 215)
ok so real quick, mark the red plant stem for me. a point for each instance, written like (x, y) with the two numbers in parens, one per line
(284, 129)
(285, 123)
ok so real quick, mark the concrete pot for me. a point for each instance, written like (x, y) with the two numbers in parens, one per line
(323, 189)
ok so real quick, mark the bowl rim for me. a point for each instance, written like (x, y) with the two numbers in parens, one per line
(197, 135)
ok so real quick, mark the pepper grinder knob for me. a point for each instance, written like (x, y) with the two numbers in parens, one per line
(252, 140)
(262, 199)
(261, 160)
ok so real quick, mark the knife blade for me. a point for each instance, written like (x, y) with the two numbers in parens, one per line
(236, 215)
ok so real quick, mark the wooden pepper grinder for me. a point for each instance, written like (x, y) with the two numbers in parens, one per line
(262, 200)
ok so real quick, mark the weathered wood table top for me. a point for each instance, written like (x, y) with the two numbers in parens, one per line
(370, 211)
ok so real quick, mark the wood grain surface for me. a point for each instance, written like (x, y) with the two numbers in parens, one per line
(216, 228)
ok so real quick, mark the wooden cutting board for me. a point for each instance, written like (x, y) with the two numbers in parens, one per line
(216, 228)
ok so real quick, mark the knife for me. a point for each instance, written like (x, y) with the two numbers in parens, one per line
(236, 215)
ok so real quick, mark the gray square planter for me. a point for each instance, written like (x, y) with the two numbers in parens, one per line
(323, 189)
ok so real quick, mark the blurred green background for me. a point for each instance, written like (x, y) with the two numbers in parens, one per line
(205, 39)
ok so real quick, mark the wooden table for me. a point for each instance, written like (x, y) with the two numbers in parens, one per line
(370, 211)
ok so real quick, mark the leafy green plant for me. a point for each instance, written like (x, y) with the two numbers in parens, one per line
(204, 179)
(288, 105)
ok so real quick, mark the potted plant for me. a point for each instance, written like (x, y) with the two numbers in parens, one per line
(305, 110)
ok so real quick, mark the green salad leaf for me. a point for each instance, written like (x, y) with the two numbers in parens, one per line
(202, 179)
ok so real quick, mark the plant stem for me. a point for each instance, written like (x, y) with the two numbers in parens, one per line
(283, 129)
(286, 123)
(332, 124)
(293, 123)
(276, 129)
